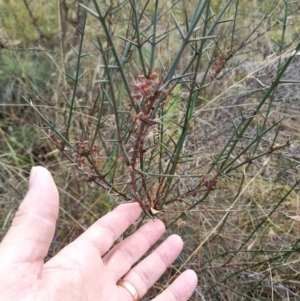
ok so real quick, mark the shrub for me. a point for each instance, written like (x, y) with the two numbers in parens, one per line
(188, 110)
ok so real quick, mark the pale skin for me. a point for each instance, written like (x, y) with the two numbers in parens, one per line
(83, 270)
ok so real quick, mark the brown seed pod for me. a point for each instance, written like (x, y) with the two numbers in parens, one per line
(141, 78)
(136, 87)
(164, 92)
(153, 76)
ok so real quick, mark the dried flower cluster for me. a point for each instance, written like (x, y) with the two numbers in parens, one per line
(148, 91)
(84, 152)
(210, 184)
(220, 61)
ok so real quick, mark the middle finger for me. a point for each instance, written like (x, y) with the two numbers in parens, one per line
(120, 259)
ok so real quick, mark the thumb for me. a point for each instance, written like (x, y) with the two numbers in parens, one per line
(33, 226)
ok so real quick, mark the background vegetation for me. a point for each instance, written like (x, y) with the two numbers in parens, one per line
(190, 108)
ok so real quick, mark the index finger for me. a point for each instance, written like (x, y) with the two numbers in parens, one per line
(103, 233)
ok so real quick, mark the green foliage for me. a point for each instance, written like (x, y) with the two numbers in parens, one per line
(19, 25)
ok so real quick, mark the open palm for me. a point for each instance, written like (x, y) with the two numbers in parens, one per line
(86, 269)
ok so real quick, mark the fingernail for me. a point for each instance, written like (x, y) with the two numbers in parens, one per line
(32, 176)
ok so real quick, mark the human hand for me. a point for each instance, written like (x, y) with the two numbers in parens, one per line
(83, 270)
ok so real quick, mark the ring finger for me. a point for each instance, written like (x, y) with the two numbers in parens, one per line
(147, 272)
